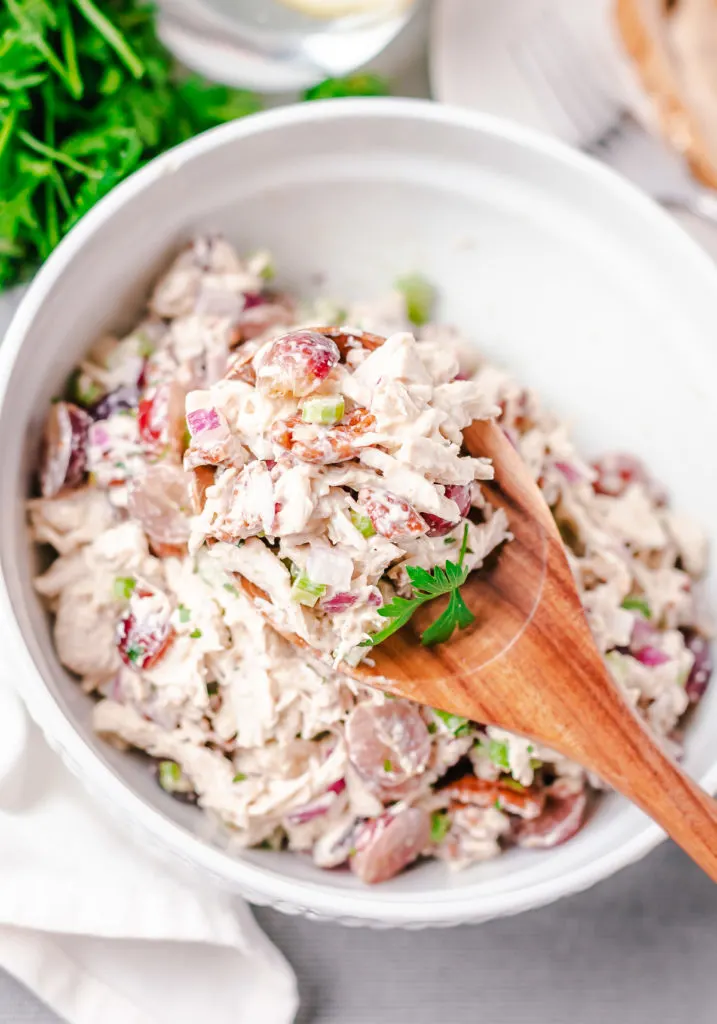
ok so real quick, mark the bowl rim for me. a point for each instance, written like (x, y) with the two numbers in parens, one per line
(259, 884)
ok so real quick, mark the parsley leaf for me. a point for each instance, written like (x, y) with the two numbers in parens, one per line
(360, 84)
(427, 586)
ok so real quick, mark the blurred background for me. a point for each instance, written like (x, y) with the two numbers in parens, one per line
(92, 89)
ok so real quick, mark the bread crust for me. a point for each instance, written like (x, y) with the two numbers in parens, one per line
(678, 123)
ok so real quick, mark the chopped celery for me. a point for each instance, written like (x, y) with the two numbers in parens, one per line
(458, 725)
(517, 787)
(323, 409)
(440, 826)
(171, 778)
(498, 753)
(362, 523)
(305, 591)
(637, 604)
(184, 613)
(83, 389)
(420, 296)
(123, 587)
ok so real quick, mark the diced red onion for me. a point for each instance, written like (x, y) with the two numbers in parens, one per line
(643, 634)
(340, 602)
(317, 807)
(651, 656)
(201, 420)
(569, 472)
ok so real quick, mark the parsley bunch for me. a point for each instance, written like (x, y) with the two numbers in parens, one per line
(87, 95)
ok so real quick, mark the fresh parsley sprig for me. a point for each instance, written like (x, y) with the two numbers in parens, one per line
(87, 95)
(426, 587)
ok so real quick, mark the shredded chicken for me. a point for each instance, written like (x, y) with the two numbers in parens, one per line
(322, 479)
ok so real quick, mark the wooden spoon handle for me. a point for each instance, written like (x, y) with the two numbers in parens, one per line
(637, 767)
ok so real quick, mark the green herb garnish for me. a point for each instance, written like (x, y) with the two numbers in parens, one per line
(195, 634)
(360, 84)
(426, 587)
(134, 652)
(498, 753)
(440, 826)
(184, 613)
(123, 587)
(239, 777)
(231, 589)
(170, 775)
(420, 296)
(517, 787)
(637, 604)
(387, 766)
(458, 725)
(88, 94)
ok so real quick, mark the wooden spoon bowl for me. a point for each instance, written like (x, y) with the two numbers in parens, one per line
(529, 663)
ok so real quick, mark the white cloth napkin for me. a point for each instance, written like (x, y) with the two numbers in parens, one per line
(100, 930)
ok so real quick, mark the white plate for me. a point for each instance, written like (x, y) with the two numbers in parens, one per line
(556, 267)
(476, 56)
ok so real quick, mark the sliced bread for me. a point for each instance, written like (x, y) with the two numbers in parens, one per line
(673, 44)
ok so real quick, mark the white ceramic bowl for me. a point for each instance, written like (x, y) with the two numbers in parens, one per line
(555, 266)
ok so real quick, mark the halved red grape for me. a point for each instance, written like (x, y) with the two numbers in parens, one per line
(616, 471)
(296, 363)
(387, 743)
(64, 448)
(386, 845)
(559, 822)
(461, 494)
(390, 515)
(145, 632)
(159, 499)
(263, 311)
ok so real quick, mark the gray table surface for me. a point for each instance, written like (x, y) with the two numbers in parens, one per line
(639, 948)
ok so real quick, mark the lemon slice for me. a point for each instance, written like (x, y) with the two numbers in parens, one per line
(329, 9)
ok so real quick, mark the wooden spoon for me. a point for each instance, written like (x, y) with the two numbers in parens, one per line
(529, 663)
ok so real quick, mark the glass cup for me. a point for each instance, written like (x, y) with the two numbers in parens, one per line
(279, 45)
